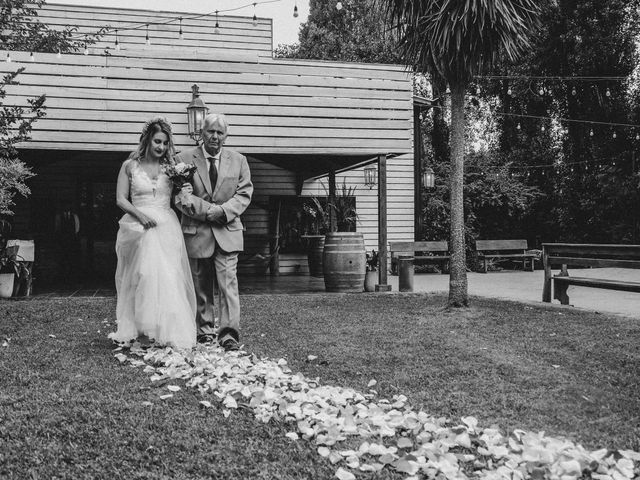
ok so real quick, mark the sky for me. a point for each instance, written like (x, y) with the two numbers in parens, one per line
(285, 27)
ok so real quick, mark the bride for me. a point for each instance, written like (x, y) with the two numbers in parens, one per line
(155, 293)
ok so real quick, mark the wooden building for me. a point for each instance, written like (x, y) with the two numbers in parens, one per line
(296, 120)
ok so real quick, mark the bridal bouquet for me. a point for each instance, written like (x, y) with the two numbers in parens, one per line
(180, 173)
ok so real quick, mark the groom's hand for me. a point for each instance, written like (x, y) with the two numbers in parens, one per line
(216, 214)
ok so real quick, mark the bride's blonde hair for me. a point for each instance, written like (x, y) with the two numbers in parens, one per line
(153, 126)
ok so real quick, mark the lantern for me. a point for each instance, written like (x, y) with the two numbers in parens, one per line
(370, 176)
(428, 178)
(196, 111)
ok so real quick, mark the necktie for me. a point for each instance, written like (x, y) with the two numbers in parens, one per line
(213, 173)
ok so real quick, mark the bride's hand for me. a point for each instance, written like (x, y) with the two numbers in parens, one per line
(146, 221)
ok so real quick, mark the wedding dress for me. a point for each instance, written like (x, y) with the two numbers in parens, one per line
(155, 293)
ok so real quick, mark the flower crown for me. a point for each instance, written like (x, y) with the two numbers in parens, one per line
(163, 122)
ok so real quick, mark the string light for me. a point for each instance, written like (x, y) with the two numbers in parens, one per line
(180, 34)
(518, 126)
(216, 29)
(86, 49)
(31, 57)
(608, 92)
(8, 57)
(147, 41)
(541, 91)
(255, 19)
(591, 132)
(542, 129)
(295, 10)
(117, 42)
(59, 54)
(614, 134)
(574, 92)
(478, 90)
(509, 91)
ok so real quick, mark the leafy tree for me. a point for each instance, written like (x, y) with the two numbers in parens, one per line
(20, 29)
(583, 202)
(457, 40)
(351, 34)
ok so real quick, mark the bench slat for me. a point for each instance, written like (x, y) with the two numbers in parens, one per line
(594, 262)
(628, 252)
(439, 246)
(501, 245)
(599, 283)
(507, 255)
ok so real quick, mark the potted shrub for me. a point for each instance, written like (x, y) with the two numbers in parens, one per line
(343, 257)
(317, 219)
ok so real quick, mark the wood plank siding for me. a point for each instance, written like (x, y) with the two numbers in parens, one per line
(235, 33)
(97, 102)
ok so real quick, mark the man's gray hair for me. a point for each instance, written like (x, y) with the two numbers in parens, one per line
(211, 118)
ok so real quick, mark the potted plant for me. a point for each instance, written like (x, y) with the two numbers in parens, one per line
(343, 257)
(371, 274)
(8, 261)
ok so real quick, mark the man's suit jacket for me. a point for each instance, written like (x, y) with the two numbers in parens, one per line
(232, 192)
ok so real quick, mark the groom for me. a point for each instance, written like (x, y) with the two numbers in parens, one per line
(212, 228)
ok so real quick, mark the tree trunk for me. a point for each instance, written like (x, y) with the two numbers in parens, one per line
(458, 274)
(440, 131)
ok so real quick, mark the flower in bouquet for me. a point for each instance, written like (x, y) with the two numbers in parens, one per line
(180, 173)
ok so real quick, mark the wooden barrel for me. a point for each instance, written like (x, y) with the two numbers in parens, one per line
(343, 262)
(316, 247)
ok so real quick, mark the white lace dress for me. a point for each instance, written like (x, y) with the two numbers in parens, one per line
(154, 287)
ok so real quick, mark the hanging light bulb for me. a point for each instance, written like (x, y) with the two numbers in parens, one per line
(339, 6)
(608, 92)
(509, 91)
(637, 136)
(591, 132)
(180, 34)
(31, 57)
(59, 54)
(255, 19)
(8, 57)
(614, 135)
(518, 126)
(542, 129)
(117, 42)
(86, 49)
(295, 10)
(574, 92)
(478, 90)
(541, 91)
(216, 29)
(147, 40)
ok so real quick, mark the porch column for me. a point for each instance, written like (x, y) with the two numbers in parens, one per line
(382, 225)
(333, 221)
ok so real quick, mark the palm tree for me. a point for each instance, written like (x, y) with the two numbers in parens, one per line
(456, 40)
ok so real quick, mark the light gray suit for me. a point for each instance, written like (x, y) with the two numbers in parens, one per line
(215, 245)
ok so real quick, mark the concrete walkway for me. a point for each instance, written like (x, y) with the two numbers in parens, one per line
(527, 287)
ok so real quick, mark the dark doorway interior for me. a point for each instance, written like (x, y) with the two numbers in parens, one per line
(72, 216)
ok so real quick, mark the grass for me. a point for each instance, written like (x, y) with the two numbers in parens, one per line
(68, 409)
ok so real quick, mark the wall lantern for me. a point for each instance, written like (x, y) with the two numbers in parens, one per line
(428, 178)
(370, 176)
(196, 111)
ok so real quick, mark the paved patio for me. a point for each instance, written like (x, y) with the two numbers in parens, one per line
(510, 285)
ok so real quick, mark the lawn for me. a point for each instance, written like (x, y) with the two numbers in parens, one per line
(69, 409)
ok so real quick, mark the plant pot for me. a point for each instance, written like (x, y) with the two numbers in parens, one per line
(344, 262)
(314, 255)
(6, 284)
(370, 279)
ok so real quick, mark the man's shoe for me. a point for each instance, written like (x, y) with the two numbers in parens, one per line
(230, 345)
(206, 338)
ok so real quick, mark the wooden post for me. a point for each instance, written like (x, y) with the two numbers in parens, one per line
(546, 286)
(417, 174)
(382, 225)
(333, 221)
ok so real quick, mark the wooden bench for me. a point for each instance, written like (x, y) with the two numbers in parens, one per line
(564, 255)
(423, 252)
(504, 250)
